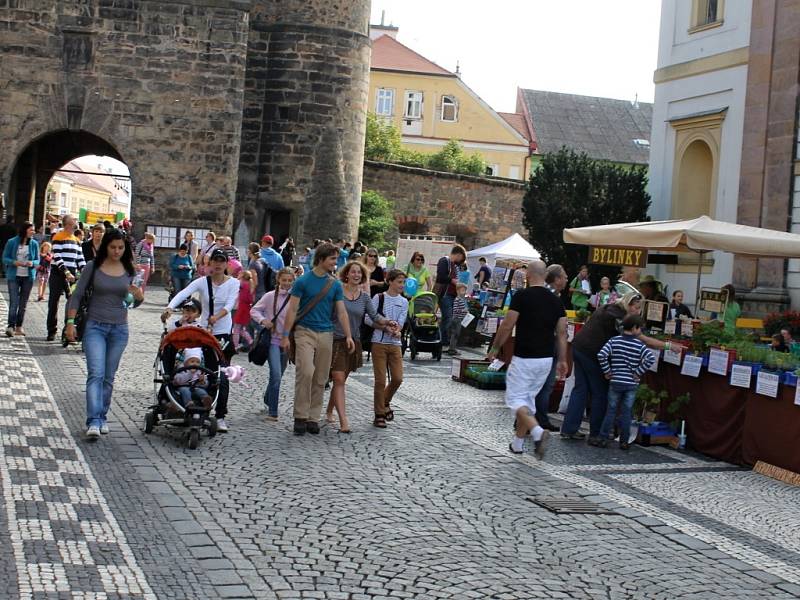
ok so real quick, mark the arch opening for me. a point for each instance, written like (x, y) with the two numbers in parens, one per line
(65, 171)
(695, 182)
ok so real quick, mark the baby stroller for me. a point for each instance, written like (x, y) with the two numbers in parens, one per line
(167, 409)
(421, 333)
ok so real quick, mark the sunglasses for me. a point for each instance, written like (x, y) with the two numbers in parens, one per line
(372, 255)
(419, 260)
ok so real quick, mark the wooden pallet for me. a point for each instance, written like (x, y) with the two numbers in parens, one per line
(778, 473)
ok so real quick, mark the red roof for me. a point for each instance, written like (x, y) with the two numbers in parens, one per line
(390, 55)
(517, 121)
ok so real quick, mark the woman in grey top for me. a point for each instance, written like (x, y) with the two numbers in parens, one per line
(358, 303)
(106, 334)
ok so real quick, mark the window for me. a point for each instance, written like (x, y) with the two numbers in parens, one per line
(384, 105)
(413, 108)
(63, 199)
(199, 235)
(706, 13)
(449, 109)
(513, 172)
(493, 170)
(166, 237)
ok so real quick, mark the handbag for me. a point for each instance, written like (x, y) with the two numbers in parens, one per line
(259, 353)
(307, 309)
(83, 307)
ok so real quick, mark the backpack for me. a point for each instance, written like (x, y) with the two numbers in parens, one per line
(368, 330)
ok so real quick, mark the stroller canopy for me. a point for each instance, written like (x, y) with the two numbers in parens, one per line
(192, 337)
(423, 303)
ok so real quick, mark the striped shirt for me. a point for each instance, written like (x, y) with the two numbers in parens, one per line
(627, 359)
(67, 253)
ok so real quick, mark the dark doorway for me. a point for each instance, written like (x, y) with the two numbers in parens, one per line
(39, 161)
(278, 225)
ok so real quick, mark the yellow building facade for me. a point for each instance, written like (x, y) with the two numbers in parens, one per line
(431, 106)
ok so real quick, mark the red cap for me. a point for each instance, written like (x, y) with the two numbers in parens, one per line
(267, 239)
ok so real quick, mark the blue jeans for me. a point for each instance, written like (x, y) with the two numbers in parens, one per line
(188, 394)
(276, 360)
(543, 397)
(447, 316)
(179, 283)
(19, 289)
(589, 380)
(624, 398)
(103, 345)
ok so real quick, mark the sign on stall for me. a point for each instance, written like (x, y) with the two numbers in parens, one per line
(713, 301)
(797, 395)
(767, 384)
(669, 327)
(686, 328)
(673, 355)
(740, 375)
(691, 365)
(718, 361)
(618, 257)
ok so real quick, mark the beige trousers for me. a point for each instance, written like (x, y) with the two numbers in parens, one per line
(386, 356)
(313, 352)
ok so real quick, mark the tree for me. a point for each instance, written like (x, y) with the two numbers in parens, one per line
(572, 190)
(376, 220)
(382, 139)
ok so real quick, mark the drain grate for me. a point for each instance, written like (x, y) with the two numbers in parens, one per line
(571, 506)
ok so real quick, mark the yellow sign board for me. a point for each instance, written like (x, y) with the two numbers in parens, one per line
(618, 257)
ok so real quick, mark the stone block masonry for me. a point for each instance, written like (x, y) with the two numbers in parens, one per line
(477, 210)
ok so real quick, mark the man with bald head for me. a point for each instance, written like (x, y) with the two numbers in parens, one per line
(541, 325)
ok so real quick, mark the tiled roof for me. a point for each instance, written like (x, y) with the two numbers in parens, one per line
(603, 128)
(390, 55)
(517, 121)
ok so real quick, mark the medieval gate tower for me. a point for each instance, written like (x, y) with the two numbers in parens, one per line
(232, 115)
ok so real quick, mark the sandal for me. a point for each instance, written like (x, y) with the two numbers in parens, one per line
(380, 421)
(389, 416)
(329, 418)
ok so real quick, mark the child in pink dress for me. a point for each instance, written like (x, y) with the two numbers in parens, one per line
(241, 318)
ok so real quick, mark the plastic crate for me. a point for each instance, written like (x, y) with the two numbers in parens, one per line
(789, 378)
(484, 375)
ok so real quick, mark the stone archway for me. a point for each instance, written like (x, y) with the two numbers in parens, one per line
(36, 164)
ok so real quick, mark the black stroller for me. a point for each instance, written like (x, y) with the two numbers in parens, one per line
(421, 333)
(167, 409)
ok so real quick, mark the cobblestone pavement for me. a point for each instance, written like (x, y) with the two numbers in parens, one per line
(432, 507)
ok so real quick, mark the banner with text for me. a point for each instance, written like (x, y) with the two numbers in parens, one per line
(618, 257)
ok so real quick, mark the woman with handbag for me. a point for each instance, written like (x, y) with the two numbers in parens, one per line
(104, 292)
(358, 303)
(270, 313)
(20, 260)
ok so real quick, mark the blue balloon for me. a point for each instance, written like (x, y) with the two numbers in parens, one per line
(411, 286)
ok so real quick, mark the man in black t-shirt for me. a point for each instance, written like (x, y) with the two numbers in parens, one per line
(541, 324)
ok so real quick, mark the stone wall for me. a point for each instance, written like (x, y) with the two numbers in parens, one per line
(156, 84)
(305, 116)
(477, 210)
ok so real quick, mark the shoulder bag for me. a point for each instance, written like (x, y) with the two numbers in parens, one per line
(368, 330)
(307, 309)
(260, 351)
(83, 306)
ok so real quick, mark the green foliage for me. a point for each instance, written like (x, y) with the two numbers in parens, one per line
(572, 190)
(647, 401)
(376, 220)
(383, 143)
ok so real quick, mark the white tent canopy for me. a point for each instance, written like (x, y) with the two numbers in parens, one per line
(515, 248)
(702, 234)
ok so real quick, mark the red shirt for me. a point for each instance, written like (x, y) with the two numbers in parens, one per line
(242, 314)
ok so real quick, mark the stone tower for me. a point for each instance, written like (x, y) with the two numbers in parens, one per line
(304, 118)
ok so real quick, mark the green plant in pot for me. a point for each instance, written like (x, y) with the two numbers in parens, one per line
(647, 403)
(581, 315)
(675, 408)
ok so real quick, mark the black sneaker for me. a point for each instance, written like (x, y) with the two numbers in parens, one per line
(549, 426)
(624, 446)
(540, 447)
(51, 337)
(299, 426)
(511, 449)
(312, 427)
(573, 436)
(598, 442)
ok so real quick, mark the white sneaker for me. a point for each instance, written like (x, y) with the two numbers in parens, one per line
(222, 426)
(104, 429)
(93, 432)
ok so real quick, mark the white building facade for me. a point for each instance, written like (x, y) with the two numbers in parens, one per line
(698, 123)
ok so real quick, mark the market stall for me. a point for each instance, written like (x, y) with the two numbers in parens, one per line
(743, 403)
(514, 248)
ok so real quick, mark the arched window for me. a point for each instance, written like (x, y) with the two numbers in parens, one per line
(449, 109)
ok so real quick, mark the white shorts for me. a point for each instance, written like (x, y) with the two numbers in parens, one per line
(524, 379)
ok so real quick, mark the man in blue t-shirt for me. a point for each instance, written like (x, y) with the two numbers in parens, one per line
(273, 258)
(315, 295)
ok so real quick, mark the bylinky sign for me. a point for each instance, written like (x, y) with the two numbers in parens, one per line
(618, 257)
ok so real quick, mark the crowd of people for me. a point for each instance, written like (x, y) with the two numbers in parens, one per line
(324, 308)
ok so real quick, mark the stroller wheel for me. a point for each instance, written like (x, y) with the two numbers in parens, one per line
(438, 354)
(212, 427)
(194, 438)
(150, 421)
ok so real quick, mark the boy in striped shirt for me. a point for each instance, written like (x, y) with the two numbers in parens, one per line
(624, 359)
(67, 262)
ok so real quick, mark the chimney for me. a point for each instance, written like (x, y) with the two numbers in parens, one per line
(376, 31)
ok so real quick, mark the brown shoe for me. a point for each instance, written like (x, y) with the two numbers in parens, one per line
(380, 421)
(19, 331)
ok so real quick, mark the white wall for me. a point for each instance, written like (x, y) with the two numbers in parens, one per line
(691, 95)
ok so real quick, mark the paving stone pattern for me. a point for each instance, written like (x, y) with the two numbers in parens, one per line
(432, 507)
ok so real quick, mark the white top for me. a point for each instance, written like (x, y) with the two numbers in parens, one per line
(23, 257)
(395, 308)
(225, 296)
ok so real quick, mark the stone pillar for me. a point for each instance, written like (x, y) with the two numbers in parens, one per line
(768, 144)
(309, 108)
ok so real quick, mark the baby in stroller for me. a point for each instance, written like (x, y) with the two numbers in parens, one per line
(191, 383)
